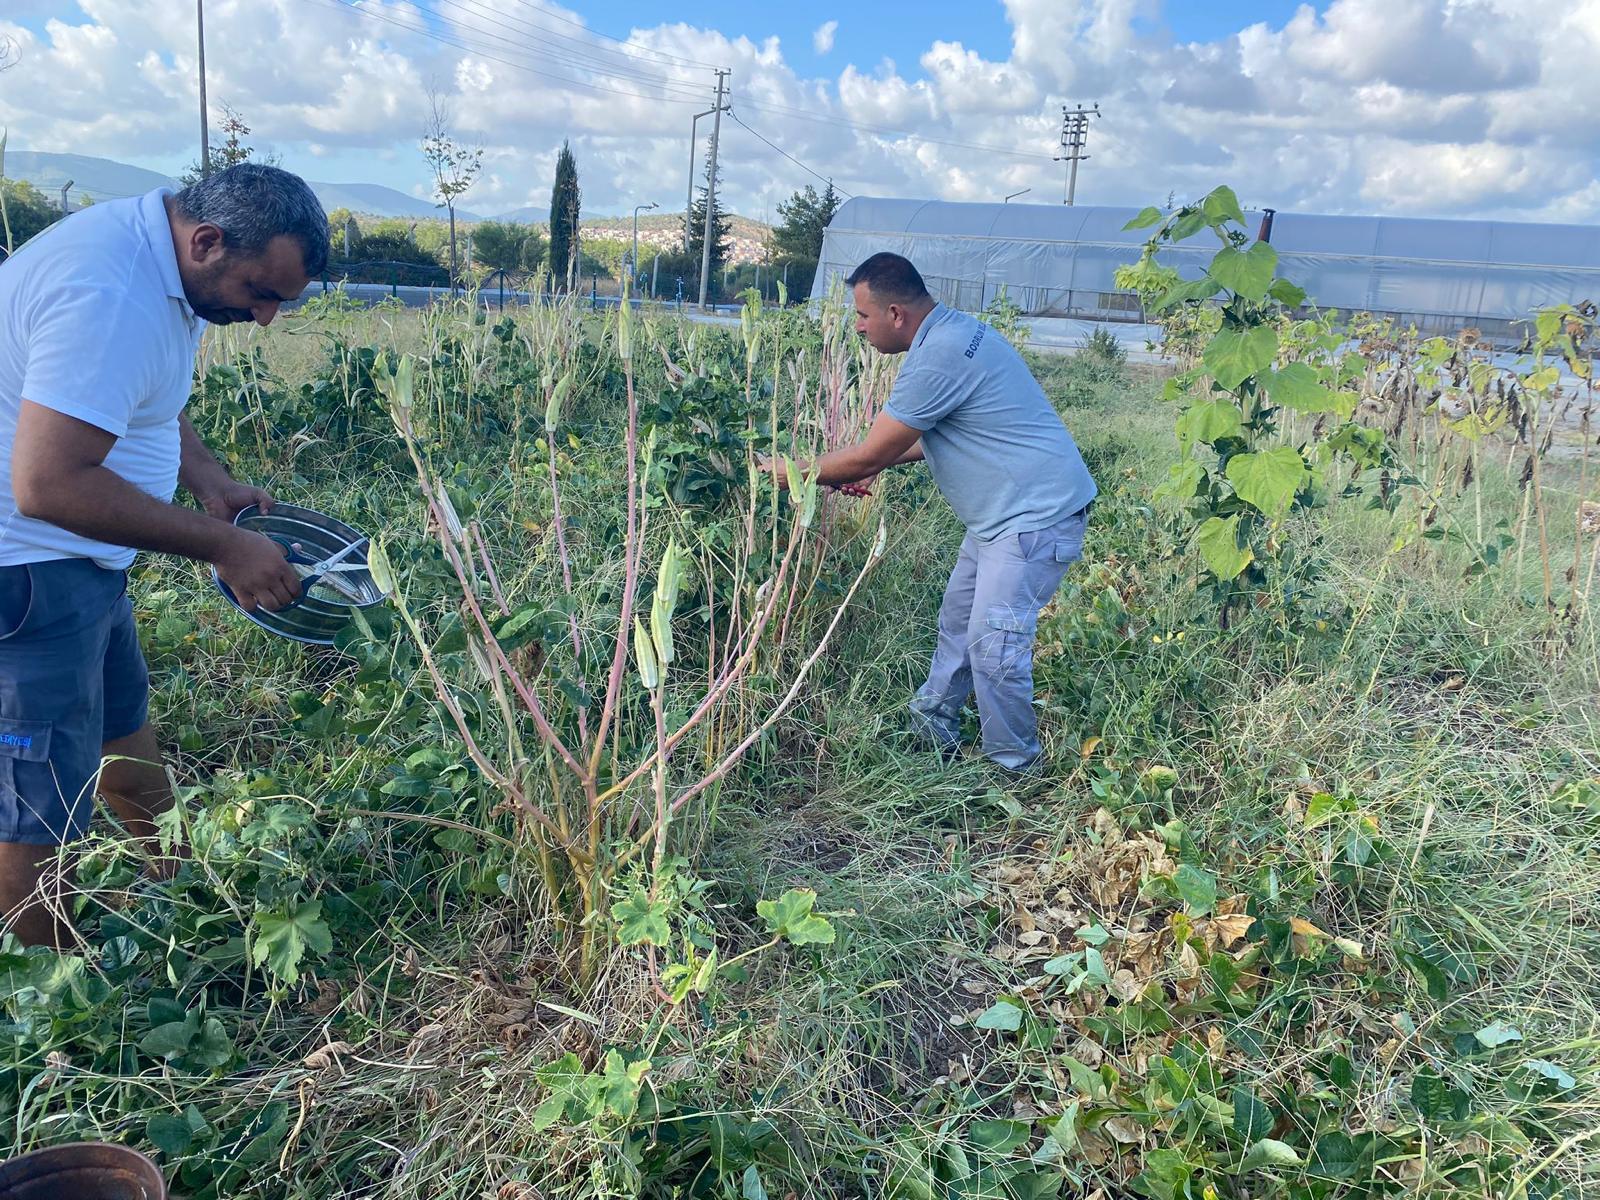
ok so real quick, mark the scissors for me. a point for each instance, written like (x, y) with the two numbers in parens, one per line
(317, 567)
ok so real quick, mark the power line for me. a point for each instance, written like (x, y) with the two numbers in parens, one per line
(349, 6)
(789, 156)
(544, 12)
(802, 114)
(567, 44)
(538, 47)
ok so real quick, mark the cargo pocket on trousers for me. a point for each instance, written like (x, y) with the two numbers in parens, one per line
(27, 786)
(1008, 644)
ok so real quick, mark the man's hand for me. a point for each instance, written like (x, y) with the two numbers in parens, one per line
(257, 572)
(231, 498)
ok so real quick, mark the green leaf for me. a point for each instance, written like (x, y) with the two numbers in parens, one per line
(548, 1113)
(1146, 218)
(1222, 205)
(282, 939)
(1551, 1072)
(1093, 935)
(1252, 1120)
(1335, 1156)
(1433, 1097)
(790, 916)
(1268, 479)
(1290, 295)
(1298, 387)
(1217, 539)
(751, 1188)
(1247, 272)
(169, 1133)
(1003, 1015)
(172, 1039)
(1234, 354)
(1165, 1176)
(1209, 421)
(620, 1084)
(640, 921)
(1184, 479)
(1269, 1153)
(1197, 886)
(1324, 807)
(998, 1137)
(1186, 290)
(213, 1048)
(1497, 1034)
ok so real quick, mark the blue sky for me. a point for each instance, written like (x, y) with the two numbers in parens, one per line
(1471, 108)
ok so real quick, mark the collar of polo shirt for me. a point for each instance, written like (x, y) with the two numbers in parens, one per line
(158, 232)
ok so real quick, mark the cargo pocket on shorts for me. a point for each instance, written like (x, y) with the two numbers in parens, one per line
(27, 785)
(16, 599)
(1008, 644)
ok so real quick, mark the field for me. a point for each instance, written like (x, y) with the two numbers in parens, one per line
(1305, 907)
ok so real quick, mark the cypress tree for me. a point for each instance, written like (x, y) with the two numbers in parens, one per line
(565, 201)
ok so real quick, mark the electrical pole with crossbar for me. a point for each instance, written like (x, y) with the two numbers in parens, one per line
(711, 190)
(1074, 138)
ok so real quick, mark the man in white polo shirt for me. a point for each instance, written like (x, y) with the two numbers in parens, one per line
(100, 319)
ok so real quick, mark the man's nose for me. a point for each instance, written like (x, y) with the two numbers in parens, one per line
(264, 312)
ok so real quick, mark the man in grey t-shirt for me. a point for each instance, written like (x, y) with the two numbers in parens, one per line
(966, 403)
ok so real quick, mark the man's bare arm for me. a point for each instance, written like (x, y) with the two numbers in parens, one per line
(58, 475)
(888, 443)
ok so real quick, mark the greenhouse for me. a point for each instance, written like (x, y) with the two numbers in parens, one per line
(1059, 261)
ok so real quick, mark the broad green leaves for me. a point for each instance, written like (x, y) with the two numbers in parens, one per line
(282, 939)
(1217, 539)
(1238, 352)
(1146, 218)
(1297, 387)
(1268, 479)
(1197, 887)
(1003, 1015)
(641, 921)
(1209, 421)
(790, 917)
(1269, 1153)
(1247, 272)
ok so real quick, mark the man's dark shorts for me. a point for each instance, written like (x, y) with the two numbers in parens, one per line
(72, 677)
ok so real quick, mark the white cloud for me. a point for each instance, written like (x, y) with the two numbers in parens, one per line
(1465, 107)
(822, 37)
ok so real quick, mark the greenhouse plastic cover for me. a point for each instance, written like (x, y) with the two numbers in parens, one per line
(1056, 260)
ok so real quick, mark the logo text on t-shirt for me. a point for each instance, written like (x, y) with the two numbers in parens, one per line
(977, 339)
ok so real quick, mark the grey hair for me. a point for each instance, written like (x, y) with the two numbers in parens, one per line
(253, 203)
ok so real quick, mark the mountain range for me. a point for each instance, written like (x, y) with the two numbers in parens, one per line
(107, 179)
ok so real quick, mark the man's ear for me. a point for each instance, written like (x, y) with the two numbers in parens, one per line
(205, 243)
(895, 313)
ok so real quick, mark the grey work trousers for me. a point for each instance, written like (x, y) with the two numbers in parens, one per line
(987, 625)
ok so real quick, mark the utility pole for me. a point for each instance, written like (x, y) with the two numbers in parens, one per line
(711, 189)
(205, 135)
(689, 201)
(64, 209)
(1074, 137)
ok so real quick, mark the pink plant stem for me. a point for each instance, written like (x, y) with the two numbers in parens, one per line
(492, 643)
(720, 688)
(488, 570)
(738, 752)
(632, 552)
(566, 582)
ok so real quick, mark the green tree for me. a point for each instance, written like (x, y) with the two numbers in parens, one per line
(805, 215)
(231, 152)
(504, 246)
(566, 200)
(27, 210)
(455, 167)
(721, 230)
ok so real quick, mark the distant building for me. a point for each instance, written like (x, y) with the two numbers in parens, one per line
(1055, 260)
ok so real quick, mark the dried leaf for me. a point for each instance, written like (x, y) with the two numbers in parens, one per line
(327, 1056)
